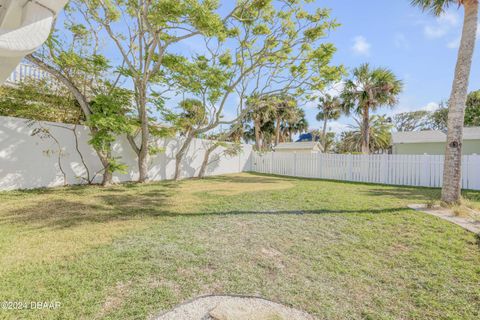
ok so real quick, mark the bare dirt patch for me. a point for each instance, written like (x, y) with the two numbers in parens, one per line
(115, 298)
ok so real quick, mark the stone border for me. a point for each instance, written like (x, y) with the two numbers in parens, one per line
(448, 215)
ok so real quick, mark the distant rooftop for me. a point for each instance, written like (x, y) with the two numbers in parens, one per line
(307, 137)
(469, 133)
(307, 145)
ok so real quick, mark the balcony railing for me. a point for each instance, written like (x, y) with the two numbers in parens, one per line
(26, 71)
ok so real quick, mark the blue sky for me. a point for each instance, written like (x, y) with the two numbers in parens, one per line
(419, 48)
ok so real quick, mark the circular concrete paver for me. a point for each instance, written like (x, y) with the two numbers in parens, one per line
(233, 308)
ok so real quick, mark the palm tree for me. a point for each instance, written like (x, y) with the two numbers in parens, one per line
(380, 135)
(329, 109)
(452, 172)
(261, 112)
(368, 90)
(285, 109)
(296, 124)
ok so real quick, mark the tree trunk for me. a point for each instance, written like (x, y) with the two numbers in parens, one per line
(257, 135)
(181, 153)
(206, 159)
(107, 177)
(324, 135)
(84, 106)
(143, 154)
(79, 96)
(452, 172)
(107, 173)
(277, 131)
(366, 131)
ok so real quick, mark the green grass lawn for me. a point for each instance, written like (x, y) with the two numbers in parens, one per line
(336, 250)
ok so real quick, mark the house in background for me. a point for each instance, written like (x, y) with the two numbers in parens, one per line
(433, 142)
(299, 147)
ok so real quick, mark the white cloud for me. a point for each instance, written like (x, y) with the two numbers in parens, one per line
(333, 90)
(337, 127)
(434, 32)
(336, 89)
(450, 18)
(409, 106)
(432, 106)
(442, 25)
(361, 46)
(401, 41)
(454, 44)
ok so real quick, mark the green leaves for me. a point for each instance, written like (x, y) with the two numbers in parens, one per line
(39, 100)
(261, 29)
(371, 88)
(436, 7)
(110, 119)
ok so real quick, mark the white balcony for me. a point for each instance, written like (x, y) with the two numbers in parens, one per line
(24, 72)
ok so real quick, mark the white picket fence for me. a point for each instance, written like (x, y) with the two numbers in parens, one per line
(407, 170)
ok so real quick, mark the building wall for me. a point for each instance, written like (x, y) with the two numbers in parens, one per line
(469, 147)
(296, 151)
(28, 161)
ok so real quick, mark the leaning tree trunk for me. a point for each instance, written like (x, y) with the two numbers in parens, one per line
(206, 160)
(143, 153)
(180, 154)
(84, 106)
(452, 171)
(107, 176)
(366, 131)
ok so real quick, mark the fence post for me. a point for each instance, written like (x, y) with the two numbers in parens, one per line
(350, 167)
(475, 163)
(425, 171)
(271, 162)
(465, 172)
(294, 164)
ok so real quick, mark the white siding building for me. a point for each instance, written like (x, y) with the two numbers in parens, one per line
(299, 147)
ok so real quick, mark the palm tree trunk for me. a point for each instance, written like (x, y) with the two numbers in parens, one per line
(324, 134)
(452, 171)
(257, 135)
(277, 131)
(366, 131)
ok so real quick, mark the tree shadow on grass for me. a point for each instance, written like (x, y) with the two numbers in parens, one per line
(64, 213)
(404, 193)
(250, 178)
(132, 201)
(59, 214)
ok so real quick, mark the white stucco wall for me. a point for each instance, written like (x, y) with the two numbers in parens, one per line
(28, 161)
